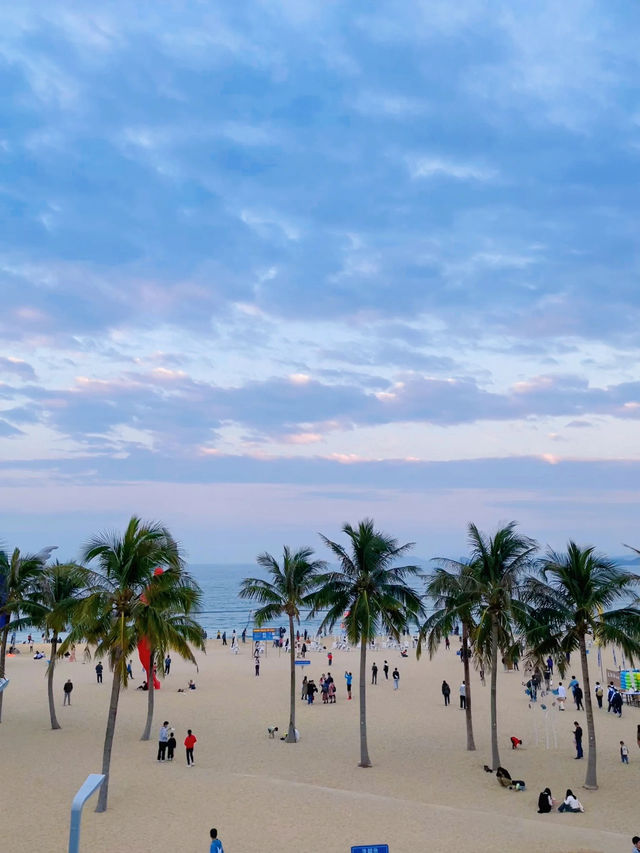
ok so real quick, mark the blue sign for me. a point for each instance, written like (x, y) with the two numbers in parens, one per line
(371, 848)
(263, 634)
(303, 662)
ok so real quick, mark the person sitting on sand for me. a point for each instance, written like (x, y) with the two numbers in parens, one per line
(571, 803)
(545, 801)
(191, 685)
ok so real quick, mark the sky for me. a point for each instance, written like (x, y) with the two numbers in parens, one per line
(272, 266)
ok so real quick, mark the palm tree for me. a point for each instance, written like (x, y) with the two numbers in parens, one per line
(573, 595)
(55, 593)
(496, 567)
(17, 573)
(369, 593)
(451, 589)
(289, 589)
(165, 622)
(115, 614)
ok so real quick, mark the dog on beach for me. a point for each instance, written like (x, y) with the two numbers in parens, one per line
(271, 731)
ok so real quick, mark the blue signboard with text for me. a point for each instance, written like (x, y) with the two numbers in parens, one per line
(303, 662)
(371, 848)
(263, 634)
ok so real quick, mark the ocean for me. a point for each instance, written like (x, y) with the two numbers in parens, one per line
(222, 607)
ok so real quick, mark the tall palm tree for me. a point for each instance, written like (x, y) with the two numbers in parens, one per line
(370, 594)
(289, 589)
(451, 589)
(497, 565)
(111, 616)
(167, 625)
(17, 573)
(54, 595)
(572, 597)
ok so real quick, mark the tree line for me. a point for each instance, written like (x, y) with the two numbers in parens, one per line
(505, 596)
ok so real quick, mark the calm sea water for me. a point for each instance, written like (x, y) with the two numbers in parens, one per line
(222, 607)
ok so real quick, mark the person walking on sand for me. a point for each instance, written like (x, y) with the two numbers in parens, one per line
(130, 669)
(385, 669)
(599, 693)
(99, 669)
(374, 673)
(447, 643)
(577, 697)
(167, 664)
(396, 678)
(68, 687)
(610, 693)
(163, 738)
(446, 692)
(329, 658)
(216, 844)
(189, 742)
(624, 752)
(463, 696)
(562, 696)
(616, 703)
(257, 665)
(171, 745)
(224, 638)
(578, 736)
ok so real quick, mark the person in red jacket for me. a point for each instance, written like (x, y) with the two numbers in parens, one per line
(189, 742)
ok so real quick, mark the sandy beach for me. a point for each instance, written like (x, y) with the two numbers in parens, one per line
(424, 791)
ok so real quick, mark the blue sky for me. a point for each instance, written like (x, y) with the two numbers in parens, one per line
(269, 267)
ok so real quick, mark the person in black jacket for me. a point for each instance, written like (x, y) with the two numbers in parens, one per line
(545, 801)
(446, 692)
(68, 687)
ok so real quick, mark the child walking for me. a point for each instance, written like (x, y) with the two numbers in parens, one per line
(171, 745)
(624, 752)
(189, 742)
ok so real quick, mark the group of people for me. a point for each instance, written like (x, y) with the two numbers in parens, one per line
(462, 692)
(167, 744)
(395, 675)
(327, 689)
(570, 803)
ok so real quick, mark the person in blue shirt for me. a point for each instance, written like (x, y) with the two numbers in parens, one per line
(216, 844)
(348, 678)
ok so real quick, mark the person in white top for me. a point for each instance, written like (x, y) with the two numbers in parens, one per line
(562, 695)
(571, 803)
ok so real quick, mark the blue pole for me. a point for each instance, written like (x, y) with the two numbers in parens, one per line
(88, 787)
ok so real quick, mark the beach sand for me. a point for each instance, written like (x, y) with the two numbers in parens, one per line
(425, 791)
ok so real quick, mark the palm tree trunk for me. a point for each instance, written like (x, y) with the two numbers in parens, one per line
(3, 657)
(146, 734)
(495, 754)
(291, 731)
(467, 685)
(591, 781)
(110, 731)
(364, 752)
(52, 663)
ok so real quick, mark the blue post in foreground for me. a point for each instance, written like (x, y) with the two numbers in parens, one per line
(88, 787)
